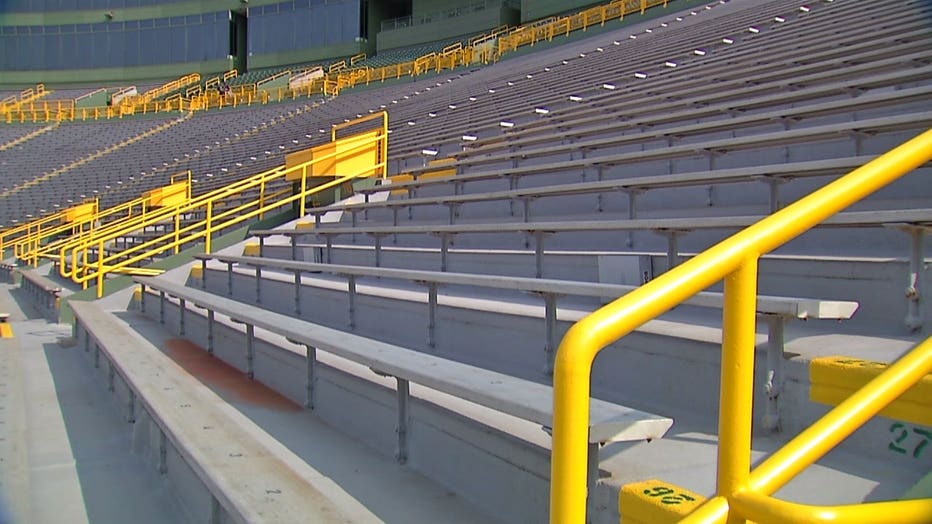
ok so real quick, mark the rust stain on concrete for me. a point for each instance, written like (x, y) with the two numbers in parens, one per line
(228, 380)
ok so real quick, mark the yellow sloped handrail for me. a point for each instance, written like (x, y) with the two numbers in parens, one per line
(735, 260)
(82, 272)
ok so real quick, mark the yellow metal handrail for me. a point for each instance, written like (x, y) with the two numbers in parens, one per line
(25, 232)
(741, 493)
(83, 272)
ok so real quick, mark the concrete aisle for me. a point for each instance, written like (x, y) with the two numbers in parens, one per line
(64, 454)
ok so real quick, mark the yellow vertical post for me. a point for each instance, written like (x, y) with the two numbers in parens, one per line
(177, 232)
(100, 269)
(210, 217)
(737, 387)
(262, 199)
(303, 189)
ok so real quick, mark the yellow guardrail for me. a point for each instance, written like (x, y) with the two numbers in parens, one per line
(742, 494)
(31, 249)
(226, 207)
(340, 75)
(14, 236)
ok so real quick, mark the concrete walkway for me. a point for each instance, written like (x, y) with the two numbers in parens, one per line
(65, 454)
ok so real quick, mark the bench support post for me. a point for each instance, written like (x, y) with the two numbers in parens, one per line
(294, 240)
(215, 510)
(258, 284)
(444, 251)
(538, 254)
(297, 293)
(181, 307)
(250, 350)
(110, 373)
(378, 250)
(914, 288)
(210, 331)
(163, 452)
(550, 327)
(592, 466)
(131, 407)
(773, 386)
(401, 453)
(96, 355)
(432, 315)
(351, 296)
(142, 298)
(311, 377)
(230, 279)
(161, 307)
(203, 273)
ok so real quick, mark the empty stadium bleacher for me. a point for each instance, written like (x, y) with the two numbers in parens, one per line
(422, 315)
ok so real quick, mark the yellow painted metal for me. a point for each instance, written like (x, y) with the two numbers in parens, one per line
(844, 419)
(767, 509)
(834, 379)
(223, 208)
(590, 335)
(737, 383)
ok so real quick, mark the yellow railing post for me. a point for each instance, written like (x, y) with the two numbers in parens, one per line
(737, 379)
(734, 259)
(208, 231)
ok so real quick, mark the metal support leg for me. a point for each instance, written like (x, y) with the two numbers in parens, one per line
(444, 251)
(250, 350)
(329, 241)
(163, 453)
(351, 295)
(401, 453)
(111, 371)
(142, 298)
(261, 246)
(673, 246)
(230, 279)
(592, 466)
(161, 307)
(632, 212)
(210, 332)
(598, 197)
(431, 314)
(914, 287)
(378, 250)
(294, 243)
(311, 377)
(538, 254)
(526, 202)
(454, 212)
(550, 328)
(773, 387)
(297, 293)
(131, 407)
(181, 307)
(96, 355)
(203, 273)
(258, 285)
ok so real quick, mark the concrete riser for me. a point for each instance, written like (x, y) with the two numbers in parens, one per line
(192, 494)
(877, 285)
(505, 472)
(662, 373)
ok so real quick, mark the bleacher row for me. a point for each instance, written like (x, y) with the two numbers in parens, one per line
(525, 195)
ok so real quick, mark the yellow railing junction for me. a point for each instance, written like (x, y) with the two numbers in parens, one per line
(90, 257)
(742, 494)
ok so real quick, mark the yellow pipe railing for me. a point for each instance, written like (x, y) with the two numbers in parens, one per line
(735, 261)
(81, 271)
(339, 75)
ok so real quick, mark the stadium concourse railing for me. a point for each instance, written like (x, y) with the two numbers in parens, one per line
(73, 219)
(742, 494)
(485, 49)
(86, 258)
(48, 235)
